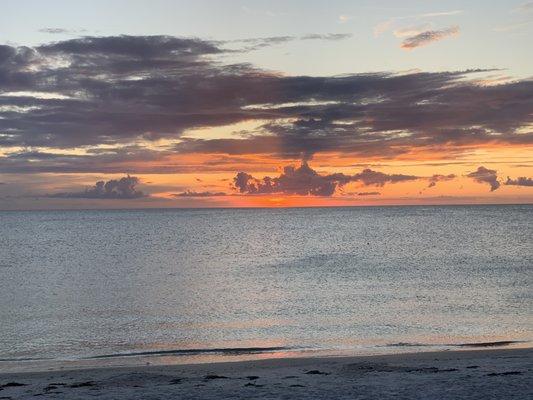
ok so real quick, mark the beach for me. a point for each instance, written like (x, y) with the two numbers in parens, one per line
(467, 374)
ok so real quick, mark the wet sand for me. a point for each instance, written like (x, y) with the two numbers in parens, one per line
(472, 374)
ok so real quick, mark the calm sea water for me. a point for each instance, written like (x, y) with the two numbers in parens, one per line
(79, 284)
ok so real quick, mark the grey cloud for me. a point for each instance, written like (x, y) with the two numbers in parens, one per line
(56, 31)
(440, 178)
(304, 180)
(117, 90)
(327, 36)
(485, 175)
(252, 44)
(53, 30)
(123, 188)
(190, 193)
(520, 181)
(368, 193)
(427, 37)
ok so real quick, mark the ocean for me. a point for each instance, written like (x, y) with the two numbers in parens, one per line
(182, 285)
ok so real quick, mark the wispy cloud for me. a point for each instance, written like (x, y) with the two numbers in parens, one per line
(58, 31)
(526, 7)
(327, 36)
(395, 22)
(411, 30)
(520, 181)
(259, 43)
(343, 18)
(511, 27)
(427, 37)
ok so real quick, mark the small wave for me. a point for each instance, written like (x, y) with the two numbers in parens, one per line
(500, 343)
(406, 344)
(183, 352)
(490, 344)
(24, 359)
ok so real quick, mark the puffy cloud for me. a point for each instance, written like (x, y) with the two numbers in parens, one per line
(190, 193)
(427, 37)
(123, 188)
(440, 178)
(485, 175)
(520, 181)
(304, 180)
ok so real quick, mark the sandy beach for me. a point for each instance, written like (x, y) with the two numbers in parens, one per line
(472, 374)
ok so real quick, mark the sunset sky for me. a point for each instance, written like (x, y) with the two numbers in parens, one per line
(126, 104)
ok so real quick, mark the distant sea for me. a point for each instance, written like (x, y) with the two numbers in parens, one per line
(171, 286)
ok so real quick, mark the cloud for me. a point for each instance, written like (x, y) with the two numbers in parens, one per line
(439, 14)
(526, 7)
(190, 193)
(343, 18)
(368, 193)
(484, 175)
(393, 22)
(409, 31)
(304, 180)
(123, 188)
(108, 94)
(253, 44)
(53, 30)
(440, 178)
(56, 31)
(327, 36)
(427, 37)
(520, 181)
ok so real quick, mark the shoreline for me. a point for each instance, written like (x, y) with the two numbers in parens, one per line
(485, 373)
(192, 356)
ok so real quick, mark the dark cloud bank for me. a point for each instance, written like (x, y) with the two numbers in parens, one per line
(116, 90)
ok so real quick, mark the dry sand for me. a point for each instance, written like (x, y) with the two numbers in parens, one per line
(477, 374)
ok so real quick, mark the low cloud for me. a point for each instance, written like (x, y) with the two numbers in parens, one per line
(123, 188)
(520, 181)
(304, 180)
(440, 178)
(427, 37)
(485, 175)
(190, 193)
(368, 193)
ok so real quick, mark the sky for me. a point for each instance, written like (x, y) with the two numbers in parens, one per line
(133, 104)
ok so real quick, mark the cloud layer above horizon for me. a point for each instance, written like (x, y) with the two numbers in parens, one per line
(135, 104)
(117, 91)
